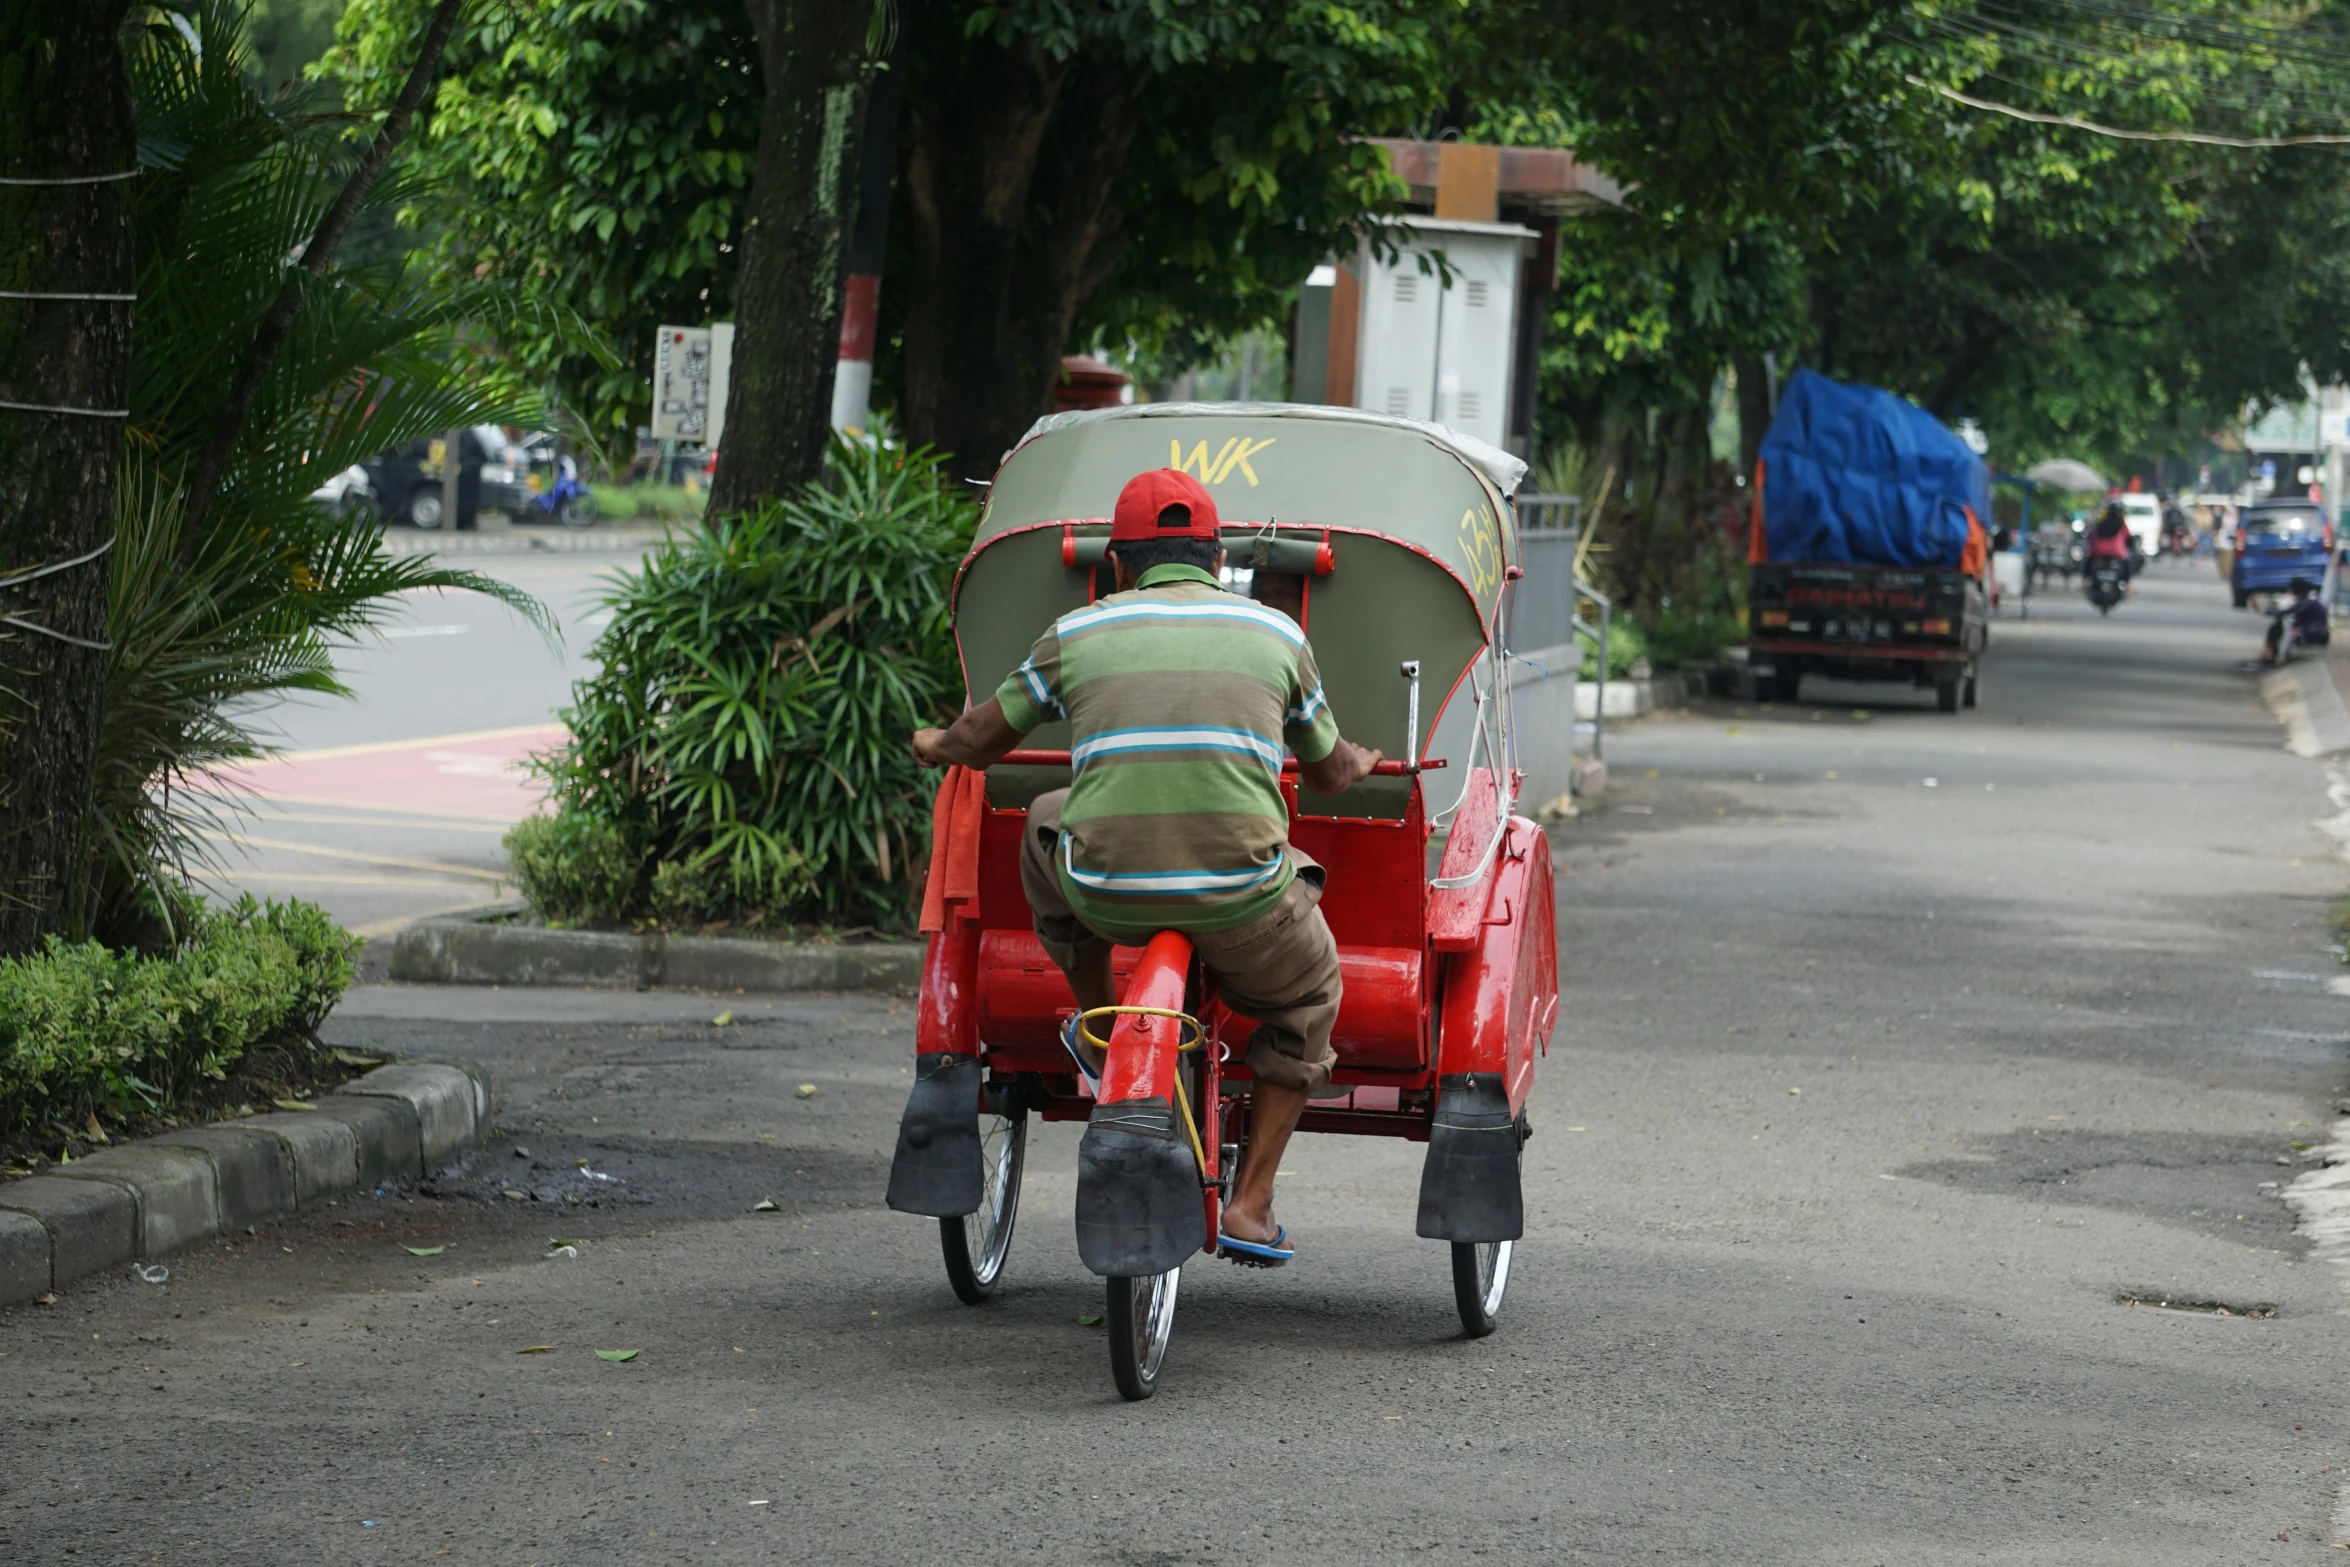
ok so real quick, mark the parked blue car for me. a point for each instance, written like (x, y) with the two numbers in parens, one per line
(2278, 541)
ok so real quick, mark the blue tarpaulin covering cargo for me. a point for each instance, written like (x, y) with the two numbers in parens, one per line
(1855, 476)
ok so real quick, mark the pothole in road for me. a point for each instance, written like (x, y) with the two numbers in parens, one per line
(2197, 1305)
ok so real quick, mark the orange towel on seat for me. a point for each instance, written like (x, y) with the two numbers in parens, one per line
(955, 817)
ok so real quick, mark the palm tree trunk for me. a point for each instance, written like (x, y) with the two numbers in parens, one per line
(66, 133)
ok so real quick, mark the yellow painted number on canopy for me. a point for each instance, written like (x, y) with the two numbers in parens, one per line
(1481, 543)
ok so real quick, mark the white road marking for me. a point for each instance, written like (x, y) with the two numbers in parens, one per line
(436, 826)
(311, 879)
(396, 632)
(374, 929)
(359, 855)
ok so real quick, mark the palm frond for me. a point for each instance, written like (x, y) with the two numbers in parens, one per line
(207, 630)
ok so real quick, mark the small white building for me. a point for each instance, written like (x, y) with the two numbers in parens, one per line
(2300, 444)
(1439, 316)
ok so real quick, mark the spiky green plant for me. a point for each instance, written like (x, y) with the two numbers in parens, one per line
(759, 679)
(209, 624)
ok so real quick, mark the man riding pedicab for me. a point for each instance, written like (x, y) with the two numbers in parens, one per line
(1181, 696)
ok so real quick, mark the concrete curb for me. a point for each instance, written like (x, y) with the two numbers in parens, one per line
(165, 1194)
(461, 951)
(2308, 702)
(1633, 698)
(611, 538)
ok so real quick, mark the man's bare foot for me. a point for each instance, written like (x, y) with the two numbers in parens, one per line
(1253, 1240)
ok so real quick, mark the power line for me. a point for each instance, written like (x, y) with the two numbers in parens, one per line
(2198, 137)
(2261, 91)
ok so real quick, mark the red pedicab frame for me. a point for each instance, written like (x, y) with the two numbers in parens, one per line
(1451, 979)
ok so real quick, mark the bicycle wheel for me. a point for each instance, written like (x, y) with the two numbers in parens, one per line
(976, 1244)
(1480, 1277)
(1140, 1319)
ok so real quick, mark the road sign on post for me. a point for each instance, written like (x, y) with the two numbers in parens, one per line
(691, 368)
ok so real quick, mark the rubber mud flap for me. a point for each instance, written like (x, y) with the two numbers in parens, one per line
(1138, 1194)
(936, 1170)
(1469, 1188)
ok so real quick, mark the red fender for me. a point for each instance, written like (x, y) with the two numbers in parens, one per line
(947, 1017)
(1501, 995)
(1141, 1064)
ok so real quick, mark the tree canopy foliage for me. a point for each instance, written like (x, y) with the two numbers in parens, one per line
(594, 154)
(1135, 171)
(1803, 189)
(1155, 176)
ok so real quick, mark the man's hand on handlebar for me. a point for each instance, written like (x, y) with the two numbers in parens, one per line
(977, 739)
(1347, 765)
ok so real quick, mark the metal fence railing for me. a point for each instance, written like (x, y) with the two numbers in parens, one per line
(1546, 602)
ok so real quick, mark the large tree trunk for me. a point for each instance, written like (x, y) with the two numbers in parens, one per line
(65, 114)
(1012, 163)
(795, 247)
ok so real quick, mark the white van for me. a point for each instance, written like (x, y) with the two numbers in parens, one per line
(2144, 515)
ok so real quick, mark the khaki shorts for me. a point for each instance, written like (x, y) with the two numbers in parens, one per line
(1280, 968)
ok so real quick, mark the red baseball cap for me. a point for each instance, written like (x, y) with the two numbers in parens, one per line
(1143, 505)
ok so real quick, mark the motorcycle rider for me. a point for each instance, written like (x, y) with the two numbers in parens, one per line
(2109, 537)
(2307, 614)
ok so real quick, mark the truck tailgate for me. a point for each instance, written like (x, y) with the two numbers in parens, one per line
(1865, 609)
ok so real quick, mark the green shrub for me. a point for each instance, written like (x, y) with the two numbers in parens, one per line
(1674, 638)
(574, 868)
(1684, 638)
(1625, 645)
(85, 1027)
(708, 888)
(760, 676)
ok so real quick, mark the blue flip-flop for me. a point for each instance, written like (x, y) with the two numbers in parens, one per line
(1085, 1069)
(1256, 1254)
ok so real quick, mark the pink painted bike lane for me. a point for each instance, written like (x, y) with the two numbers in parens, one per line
(481, 775)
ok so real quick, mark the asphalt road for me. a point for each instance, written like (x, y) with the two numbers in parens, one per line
(1898, 1047)
(390, 805)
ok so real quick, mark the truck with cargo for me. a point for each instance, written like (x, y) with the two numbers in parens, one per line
(1868, 558)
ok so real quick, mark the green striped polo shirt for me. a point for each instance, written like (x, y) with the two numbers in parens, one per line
(1180, 696)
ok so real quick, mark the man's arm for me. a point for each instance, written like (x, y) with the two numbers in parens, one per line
(1347, 765)
(979, 738)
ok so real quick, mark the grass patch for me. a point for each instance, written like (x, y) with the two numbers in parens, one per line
(647, 502)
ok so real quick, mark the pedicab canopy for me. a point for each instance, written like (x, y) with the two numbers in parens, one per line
(1401, 532)
(1855, 476)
